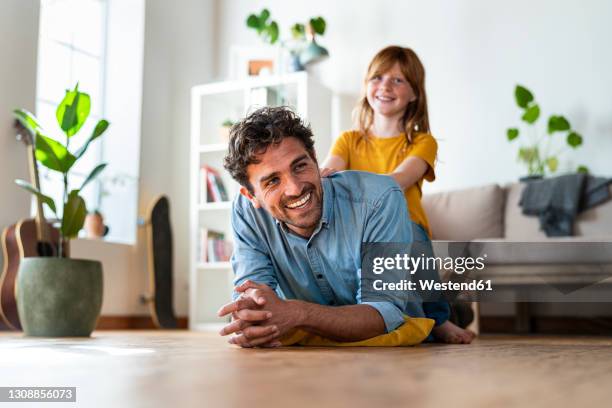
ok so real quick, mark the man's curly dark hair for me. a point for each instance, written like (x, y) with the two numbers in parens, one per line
(262, 128)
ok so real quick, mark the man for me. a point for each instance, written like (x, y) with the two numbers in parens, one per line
(298, 240)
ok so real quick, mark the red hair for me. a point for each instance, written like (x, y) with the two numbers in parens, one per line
(416, 117)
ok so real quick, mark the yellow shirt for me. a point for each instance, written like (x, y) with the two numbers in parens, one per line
(383, 155)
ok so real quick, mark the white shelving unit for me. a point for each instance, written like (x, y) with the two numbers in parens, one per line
(212, 104)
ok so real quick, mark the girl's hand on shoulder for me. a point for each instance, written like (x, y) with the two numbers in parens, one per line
(327, 171)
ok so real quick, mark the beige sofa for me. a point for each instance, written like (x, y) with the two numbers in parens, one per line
(491, 214)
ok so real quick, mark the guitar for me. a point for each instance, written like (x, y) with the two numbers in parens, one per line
(27, 238)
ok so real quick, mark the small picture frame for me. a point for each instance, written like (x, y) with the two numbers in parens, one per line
(261, 67)
(252, 61)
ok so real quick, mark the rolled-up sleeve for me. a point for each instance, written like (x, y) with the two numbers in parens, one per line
(388, 222)
(390, 313)
(250, 259)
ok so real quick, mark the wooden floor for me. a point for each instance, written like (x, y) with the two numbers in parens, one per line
(185, 369)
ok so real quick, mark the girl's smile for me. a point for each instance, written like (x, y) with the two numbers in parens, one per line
(389, 93)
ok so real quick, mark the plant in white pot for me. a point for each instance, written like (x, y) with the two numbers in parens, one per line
(59, 296)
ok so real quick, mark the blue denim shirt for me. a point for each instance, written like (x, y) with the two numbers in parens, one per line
(325, 269)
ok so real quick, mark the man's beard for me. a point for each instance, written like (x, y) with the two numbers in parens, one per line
(313, 215)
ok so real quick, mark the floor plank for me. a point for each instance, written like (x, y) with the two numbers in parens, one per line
(188, 369)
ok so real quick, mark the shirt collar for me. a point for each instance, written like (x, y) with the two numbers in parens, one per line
(328, 201)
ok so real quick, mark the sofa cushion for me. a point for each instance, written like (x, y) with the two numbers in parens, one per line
(516, 225)
(595, 222)
(467, 214)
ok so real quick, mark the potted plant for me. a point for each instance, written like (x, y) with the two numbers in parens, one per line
(302, 47)
(542, 151)
(59, 296)
(310, 52)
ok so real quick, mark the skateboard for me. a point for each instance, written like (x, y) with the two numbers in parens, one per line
(159, 263)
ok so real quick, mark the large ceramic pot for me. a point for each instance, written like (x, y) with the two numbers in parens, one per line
(59, 297)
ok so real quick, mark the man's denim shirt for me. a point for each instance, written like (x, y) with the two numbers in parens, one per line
(325, 269)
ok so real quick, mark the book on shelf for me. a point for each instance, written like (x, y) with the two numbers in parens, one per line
(214, 247)
(212, 188)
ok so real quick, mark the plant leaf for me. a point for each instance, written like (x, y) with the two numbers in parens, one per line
(557, 124)
(44, 198)
(253, 22)
(53, 154)
(512, 133)
(27, 120)
(298, 31)
(552, 163)
(528, 154)
(318, 25)
(100, 128)
(264, 15)
(574, 139)
(74, 215)
(582, 169)
(94, 173)
(523, 96)
(73, 111)
(271, 32)
(531, 114)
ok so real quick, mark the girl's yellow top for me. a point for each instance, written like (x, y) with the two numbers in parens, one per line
(383, 155)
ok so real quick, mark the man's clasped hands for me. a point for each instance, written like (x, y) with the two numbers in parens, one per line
(259, 316)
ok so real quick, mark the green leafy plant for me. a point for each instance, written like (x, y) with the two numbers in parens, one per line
(318, 25)
(541, 153)
(228, 123)
(71, 114)
(267, 30)
(300, 33)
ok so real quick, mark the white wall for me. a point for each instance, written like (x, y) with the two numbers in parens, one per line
(179, 52)
(179, 46)
(18, 48)
(474, 52)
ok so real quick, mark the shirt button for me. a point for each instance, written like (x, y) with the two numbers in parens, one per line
(319, 276)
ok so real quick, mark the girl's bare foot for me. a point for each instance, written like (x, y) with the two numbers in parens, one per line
(450, 333)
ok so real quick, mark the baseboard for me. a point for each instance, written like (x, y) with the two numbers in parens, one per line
(550, 325)
(133, 322)
(124, 323)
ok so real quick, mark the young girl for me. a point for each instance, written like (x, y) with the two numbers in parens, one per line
(393, 138)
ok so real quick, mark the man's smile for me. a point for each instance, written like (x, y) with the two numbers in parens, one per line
(300, 203)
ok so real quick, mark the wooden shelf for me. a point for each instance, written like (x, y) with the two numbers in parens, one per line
(211, 282)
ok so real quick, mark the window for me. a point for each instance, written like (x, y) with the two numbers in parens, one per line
(99, 44)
